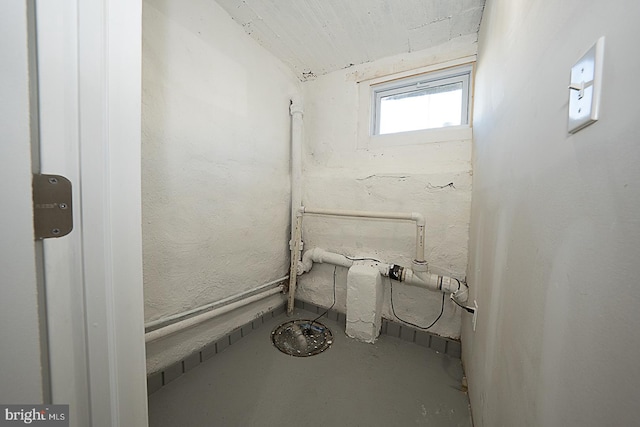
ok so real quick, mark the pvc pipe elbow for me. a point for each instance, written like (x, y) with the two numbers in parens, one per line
(321, 256)
(305, 265)
(296, 107)
(462, 294)
(418, 218)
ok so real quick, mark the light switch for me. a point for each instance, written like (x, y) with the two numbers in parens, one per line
(585, 88)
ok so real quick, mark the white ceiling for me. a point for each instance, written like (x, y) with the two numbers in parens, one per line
(315, 37)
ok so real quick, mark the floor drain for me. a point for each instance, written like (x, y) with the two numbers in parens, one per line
(302, 338)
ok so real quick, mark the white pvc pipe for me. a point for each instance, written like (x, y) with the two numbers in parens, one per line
(295, 256)
(322, 256)
(410, 216)
(295, 243)
(432, 282)
(205, 307)
(295, 109)
(421, 279)
(192, 321)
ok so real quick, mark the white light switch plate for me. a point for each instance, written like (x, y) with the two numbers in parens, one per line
(585, 88)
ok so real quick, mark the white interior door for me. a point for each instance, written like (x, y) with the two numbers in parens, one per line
(88, 56)
(57, 40)
(73, 331)
(23, 361)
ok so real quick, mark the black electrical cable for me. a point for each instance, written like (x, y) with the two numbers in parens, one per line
(413, 324)
(334, 298)
(334, 285)
(361, 259)
(464, 307)
(468, 309)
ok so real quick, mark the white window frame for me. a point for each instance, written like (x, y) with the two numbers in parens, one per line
(417, 83)
(366, 140)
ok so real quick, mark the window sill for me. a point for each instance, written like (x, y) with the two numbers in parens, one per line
(453, 133)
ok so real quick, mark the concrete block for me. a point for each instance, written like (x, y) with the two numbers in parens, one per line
(172, 372)
(454, 349)
(246, 329)
(393, 329)
(235, 336)
(438, 344)
(364, 303)
(312, 307)
(407, 334)
(222, 343)
(154, 383)
(383, 327)
(423, 339)
(342, 318)
(256, 323)
(279, 310)
(208, 351)
(191, 361)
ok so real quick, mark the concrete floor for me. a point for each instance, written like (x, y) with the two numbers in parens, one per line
(390, 383)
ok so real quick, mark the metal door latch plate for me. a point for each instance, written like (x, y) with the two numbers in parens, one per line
(52, 213)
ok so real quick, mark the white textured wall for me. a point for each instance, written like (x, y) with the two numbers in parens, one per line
(215, 159)
(398, 179)
(555, 230)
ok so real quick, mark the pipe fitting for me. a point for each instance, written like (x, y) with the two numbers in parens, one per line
(395, 272)
(321, 256)
(419, 266)
(419, 276)
(462, 294)
(296, 107)
(418, 218)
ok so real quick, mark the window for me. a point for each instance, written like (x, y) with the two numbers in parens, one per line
(428, 101)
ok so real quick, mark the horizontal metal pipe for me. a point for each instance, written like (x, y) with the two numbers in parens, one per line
(228, 300)
(195, 320)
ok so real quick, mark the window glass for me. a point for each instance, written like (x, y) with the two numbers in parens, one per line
(428, 101)
(435, 107)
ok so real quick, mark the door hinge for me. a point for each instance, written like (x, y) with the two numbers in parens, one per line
(52, 210)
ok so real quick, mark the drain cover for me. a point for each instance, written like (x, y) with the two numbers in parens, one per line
(302, 338)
